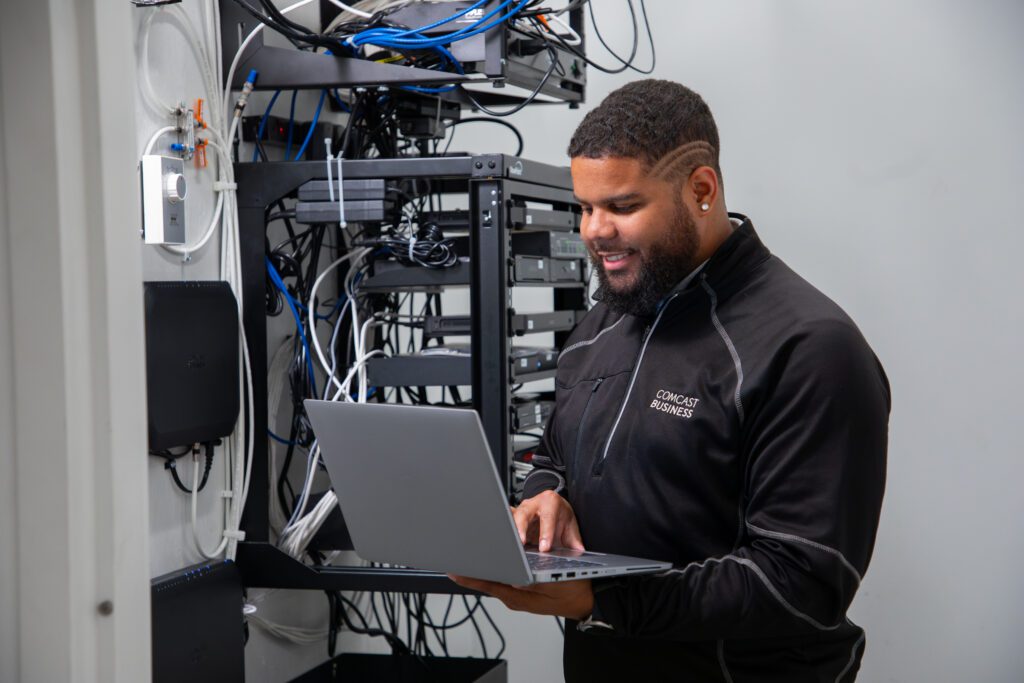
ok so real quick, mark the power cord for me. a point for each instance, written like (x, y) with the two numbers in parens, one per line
(171, 459)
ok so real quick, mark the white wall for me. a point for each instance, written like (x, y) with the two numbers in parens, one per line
(877, 147)
(71, 367)
(8, 491)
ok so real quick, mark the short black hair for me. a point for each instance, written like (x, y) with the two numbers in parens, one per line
(647, 120)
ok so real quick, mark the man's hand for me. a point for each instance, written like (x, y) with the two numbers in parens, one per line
(547, 520)
(569, 599)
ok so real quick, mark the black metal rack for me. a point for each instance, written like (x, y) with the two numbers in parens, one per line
(496, 186)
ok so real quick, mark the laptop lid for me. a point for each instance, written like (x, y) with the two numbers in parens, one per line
(418, 487)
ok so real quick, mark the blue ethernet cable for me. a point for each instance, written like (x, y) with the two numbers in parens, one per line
(312, 126)
(263, 125)
(396, 38)
(275, 277)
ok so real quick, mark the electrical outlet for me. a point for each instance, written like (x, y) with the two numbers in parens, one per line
(163, 199)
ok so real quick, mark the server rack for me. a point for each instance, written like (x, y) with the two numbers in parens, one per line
(498, 187)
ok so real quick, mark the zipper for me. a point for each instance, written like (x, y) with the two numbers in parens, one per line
(599, 464)
(583, 421)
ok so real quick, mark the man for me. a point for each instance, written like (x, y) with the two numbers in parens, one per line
(713, 410)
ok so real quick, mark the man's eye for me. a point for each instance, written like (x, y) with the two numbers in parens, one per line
(628, 208)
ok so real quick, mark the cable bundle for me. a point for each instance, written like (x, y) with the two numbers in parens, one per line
(427, 249)
(400, 39)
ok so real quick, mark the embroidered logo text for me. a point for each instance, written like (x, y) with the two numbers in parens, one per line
(672, 403)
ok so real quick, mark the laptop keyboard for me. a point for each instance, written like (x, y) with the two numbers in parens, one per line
(546, 562)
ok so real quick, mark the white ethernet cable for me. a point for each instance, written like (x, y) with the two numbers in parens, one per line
(156, 136)
(356, 256)
(222, 546)
(299, 635)
(277, 373)
(350, 10)
(303, 526)
(297, 537)
(334, 345)
(571, 37)
(341, 193)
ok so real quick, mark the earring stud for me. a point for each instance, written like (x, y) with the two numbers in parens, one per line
(705, 206)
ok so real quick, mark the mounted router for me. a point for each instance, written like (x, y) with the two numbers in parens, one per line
(192, 359)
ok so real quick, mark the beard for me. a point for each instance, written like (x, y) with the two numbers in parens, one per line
(662, 266)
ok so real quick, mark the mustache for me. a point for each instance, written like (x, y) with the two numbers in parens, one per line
(599, 245)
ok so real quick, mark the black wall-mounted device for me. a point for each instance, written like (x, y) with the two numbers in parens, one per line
(191, 362)
(198, 630)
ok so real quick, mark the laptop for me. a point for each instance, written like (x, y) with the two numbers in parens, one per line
(418, 488)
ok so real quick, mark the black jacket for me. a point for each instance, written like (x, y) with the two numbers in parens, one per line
(740, 434)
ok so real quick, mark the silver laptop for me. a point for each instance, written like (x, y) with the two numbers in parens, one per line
(418, 488)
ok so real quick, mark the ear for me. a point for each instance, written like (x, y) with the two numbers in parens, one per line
(701, 187)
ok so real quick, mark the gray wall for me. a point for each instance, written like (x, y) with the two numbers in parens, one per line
(8, 505)
(71, 370)
(877, 147)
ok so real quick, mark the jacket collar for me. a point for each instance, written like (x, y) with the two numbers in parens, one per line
(741, 252)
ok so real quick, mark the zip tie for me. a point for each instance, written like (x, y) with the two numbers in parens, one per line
(330, 158)
(234, 535)
(412, 244)
(224, 186)
(341, 194)
(227, 494)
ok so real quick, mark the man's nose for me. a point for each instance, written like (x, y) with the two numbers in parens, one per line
(597, 226)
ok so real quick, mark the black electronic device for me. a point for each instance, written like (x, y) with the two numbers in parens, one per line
(354, 667)
(198, 633)
(531, 269)
(527, 359)
(520, 218)
(537, 269)
(435, 326)
(519, 323)
(552, 321)
(532, 218)
(549, 244)
(276, 131)
(320, 190)
(566, 270)
(191, 362)
(527, 270)
(553, 244)
(452, 220)
(531, 411)
(392, 275)
(451, 365)
(356, 211)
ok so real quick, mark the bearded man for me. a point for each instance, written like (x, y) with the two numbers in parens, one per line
(713, 410)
